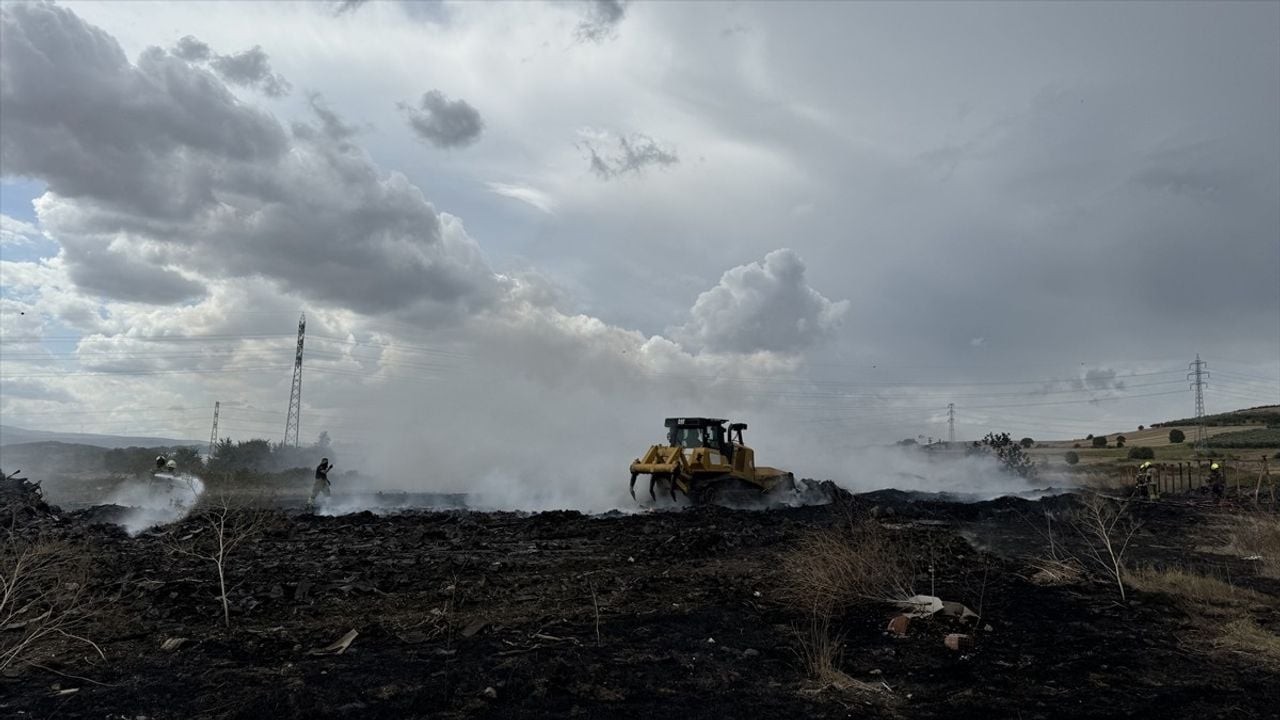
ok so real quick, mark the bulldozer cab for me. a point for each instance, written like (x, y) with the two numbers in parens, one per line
(698, 433)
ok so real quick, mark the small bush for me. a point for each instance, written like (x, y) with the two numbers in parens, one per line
(1141, 453)
(1071, 457)
(1176, 436)
(1089, 436)
(1076, 446)
(831, 570)
(1099, 442)
(1026, 442)
(1120, 441)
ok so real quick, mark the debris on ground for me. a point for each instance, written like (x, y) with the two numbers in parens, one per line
(458, 614)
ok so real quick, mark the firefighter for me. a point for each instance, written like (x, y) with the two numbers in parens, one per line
(1217, 481)
(161, 462)
(322, 482)
(1146, 483)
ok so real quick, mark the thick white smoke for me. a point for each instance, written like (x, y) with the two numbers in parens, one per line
(157, 500)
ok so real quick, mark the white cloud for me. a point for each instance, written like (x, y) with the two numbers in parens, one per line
(528, 195)
(18, 233)
(766, 305)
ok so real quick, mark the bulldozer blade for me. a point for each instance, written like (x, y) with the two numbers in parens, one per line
(653, 480)
(633, 486)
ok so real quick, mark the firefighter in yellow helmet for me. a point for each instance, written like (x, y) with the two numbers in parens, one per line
(1217, 481)
(1146, 481)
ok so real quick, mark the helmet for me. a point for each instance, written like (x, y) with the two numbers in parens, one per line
(172, 464)
(1213, 466)
(324, 460)
(1145, 465)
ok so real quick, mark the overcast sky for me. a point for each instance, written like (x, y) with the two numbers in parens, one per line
(515, 226)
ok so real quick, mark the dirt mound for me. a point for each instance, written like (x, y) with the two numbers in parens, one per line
(24, 501)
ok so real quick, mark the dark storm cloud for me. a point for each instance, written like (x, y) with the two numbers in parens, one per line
(192, 50)
(147, 138)
(601, 19)
(157, 165)
(443, 122)
(632, 155)
(251, 68)
(104, 272)
(348, 6)
(332, 125)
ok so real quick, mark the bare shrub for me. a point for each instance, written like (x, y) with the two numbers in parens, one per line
(224, 526)
(1106, 528)
(44, 597)
(833, 569)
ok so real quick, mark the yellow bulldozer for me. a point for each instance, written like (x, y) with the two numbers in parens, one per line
(708, 464)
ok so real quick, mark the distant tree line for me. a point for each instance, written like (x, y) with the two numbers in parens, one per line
(230, 457)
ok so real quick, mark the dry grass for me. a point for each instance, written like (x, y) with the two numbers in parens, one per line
(1245, 637)
(1256, 535)
(1050, 572)
(1224, 611)
(820, 653)
(833, 569)
(1200, 592)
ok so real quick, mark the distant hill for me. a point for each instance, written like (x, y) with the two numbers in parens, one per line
(41, 459)
(10, 435)
(1260, 415)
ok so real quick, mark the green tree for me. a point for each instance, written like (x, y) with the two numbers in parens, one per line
(1099, 441)
(1176, 436)
(1071, 457)
(1026, 442)
(1010, 454)
(1141, 453)
(1119, 441)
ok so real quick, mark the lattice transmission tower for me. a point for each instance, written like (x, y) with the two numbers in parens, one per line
(213, 436)
(1199, 376)
(295, 394)
(951, 423)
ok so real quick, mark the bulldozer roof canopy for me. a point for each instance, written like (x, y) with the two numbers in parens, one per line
(695, 422)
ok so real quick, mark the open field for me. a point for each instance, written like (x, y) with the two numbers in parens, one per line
(1155, 438)
(470, 614)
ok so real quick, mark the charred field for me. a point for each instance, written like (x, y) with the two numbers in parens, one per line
(706, 613)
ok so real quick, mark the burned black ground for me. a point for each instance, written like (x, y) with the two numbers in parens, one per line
(463, 614)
